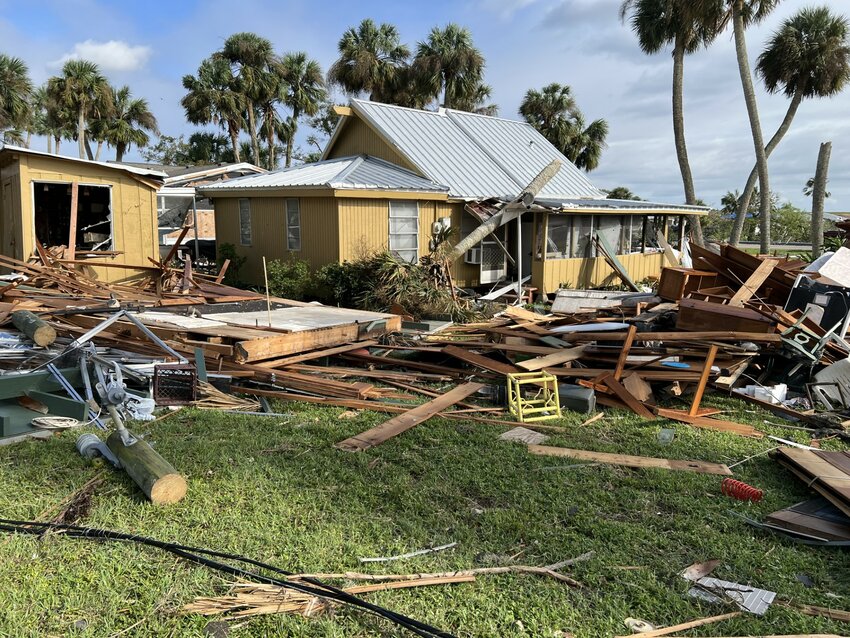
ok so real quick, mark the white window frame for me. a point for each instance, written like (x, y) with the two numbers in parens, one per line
(403, 203)
(33, 182)
(293, 246)
(242, 233)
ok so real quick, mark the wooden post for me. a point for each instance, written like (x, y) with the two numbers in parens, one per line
(703, 381)
(624, 353)
(153, 474)
(72, 227)
(268, 299)
(41, 332)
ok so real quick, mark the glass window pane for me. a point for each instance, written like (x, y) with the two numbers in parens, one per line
(245, 222)
(582, 246)
(406, 255)
(560, 229)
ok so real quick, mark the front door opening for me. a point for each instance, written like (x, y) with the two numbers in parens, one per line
(52, 204)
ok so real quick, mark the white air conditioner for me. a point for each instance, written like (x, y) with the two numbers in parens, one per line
(473, 255)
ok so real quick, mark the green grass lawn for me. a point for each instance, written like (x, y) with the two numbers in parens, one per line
(276, 490)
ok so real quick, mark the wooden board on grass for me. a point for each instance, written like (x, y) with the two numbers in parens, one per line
(701, 467)
(557, 358)
(403, 422)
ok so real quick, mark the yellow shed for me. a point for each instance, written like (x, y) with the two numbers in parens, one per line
(394, 178)
(114, 220)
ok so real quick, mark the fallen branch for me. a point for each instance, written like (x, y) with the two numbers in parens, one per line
(666, 631)
(419, 552)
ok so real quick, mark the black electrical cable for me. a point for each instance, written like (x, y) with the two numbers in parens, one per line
(321, 589)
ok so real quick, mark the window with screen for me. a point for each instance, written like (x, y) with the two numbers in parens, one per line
(293, 224)
(404, 230)
(245, 222)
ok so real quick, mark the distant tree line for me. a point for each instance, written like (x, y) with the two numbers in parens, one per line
(79, 104)
(807, 56)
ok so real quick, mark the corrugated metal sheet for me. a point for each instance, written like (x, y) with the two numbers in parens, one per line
(113, 165)
(476, 156)
(617, 204)
(360, 172)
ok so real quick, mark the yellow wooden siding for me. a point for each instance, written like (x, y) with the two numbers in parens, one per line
(10, 206)
(319, 232)
(134, 218)
(358, 138)
(552, 274)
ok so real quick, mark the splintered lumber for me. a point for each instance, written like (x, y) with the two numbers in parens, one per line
(749, 287)
(316, 354)
(703, 381)
(677, 337)
(41, 332)
(403, 422)
(709, 423)
(624, 353)
(701, 467)
(558, 357)
(156, 477)
(626, 397)
(479, 360)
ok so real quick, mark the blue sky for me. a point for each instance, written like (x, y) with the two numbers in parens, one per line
(527, 43)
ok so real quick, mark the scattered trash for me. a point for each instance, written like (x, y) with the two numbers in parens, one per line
(750, 599)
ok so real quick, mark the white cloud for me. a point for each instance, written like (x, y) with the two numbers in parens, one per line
(115, 55)
(506, 8)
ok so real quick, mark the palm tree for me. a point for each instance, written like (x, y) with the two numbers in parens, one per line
(808, 56)
(370, 58)
(585, 143)
(86, 93)
(129, 124)
(553, 112)
(16, 91)
(211, 98)
(742, 14)
(688, 27)
(448, 63)
(251, 58)
(476, 101)
(303, 93)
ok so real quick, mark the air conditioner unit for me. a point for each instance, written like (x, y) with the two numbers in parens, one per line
(473, 255)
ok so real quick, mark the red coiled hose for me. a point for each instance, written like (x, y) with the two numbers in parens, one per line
(740, 490)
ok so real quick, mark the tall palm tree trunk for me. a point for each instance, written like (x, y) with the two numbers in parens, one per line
(290, 142)
(818, 195)
(50, 145)
(252, 124)
(99, 150)
(679, 134)
(755, 124)
(270, 142)
(749, 188)
(81, 132)
(29, 139)
(120, 149)
(233, 130)
(89, 154)
(58, 140)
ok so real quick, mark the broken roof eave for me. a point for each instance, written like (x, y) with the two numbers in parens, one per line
(157, 176)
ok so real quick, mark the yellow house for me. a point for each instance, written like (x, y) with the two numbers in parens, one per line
(114, 220)
(393, 178)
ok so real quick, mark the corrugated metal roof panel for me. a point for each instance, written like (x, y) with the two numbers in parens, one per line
(476, 156)
(440, 149)
(118, 167)
(358, 172)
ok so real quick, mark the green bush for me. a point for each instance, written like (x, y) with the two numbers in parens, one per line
(228, 251)
(382, 282)
(289, 278)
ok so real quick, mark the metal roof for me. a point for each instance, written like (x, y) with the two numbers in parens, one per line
(357, 172)
(477, 156)
(113, 165)
(179, 173)
(619, 204)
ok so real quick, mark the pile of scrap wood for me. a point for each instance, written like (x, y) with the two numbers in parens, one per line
(722, 325)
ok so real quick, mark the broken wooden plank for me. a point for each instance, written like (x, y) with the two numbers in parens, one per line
(624, 353)
(625, 396)
(748, 288)
(667, 248)
(403, 422)
(701, 467)
(480, 361)
(316, 354)
(703, 381)
(558, 357)
(610, 256)
(710, 424)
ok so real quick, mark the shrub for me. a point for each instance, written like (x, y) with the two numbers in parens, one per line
(289, 278)
(228, 251)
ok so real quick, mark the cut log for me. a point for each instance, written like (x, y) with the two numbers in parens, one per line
(41, 332)
(156, 477)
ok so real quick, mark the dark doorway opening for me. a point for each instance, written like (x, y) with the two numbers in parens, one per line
(53, 216)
